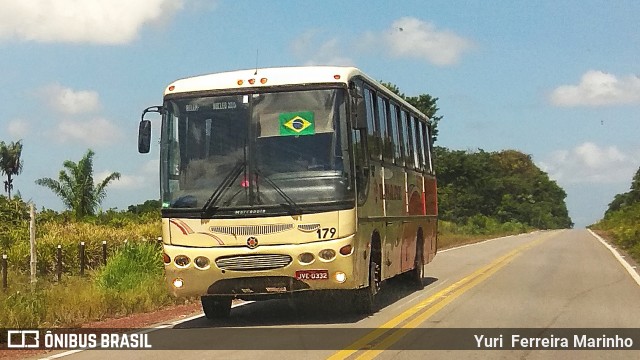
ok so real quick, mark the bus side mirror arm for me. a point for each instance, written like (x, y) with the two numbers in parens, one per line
(144, 129)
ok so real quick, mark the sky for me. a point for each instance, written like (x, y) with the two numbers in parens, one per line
(559, 80)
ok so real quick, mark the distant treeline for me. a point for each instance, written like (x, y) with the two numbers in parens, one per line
(505, 187)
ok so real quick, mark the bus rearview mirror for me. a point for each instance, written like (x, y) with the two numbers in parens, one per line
(144, 136)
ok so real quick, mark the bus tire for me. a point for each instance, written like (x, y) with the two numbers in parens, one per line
(416, 275)
(215, 308)
(365, 298)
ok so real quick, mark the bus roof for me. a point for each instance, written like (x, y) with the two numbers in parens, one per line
(277, 76)
(273, 77)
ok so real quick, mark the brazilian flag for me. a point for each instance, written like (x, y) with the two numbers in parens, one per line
(297, 123)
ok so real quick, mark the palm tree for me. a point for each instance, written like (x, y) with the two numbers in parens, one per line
(10, 162)
(76, 188)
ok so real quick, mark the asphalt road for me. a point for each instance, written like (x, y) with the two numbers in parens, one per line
(545, 286)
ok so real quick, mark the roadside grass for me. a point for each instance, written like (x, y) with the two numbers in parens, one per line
(50, 234)
(475, 230)
(446, 241)
(99, 295)
(623, 228)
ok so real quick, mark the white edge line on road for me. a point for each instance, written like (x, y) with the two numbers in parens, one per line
(617, 255)
(146, 331)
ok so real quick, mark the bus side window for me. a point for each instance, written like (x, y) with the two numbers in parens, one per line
(373, 142)
(428, 151)
(415, 149)
(419, 144)
(406, 139)
(423, 163)
(361, 157)
(393, 129)
(400, 140)
(385, 136)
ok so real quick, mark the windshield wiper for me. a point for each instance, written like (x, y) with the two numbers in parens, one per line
(222, 188)
(294, 209)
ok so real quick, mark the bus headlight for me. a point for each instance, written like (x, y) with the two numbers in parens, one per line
(177, 283)
(201, 262)
(327, 254)
(340, 277)
(182, 261)
(306, 258)
(346, 250)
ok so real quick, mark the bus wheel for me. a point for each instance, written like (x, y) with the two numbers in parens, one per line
(365, 298)
(215, 308)
(417, 273)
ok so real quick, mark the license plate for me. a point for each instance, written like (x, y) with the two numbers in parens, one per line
(312, 275)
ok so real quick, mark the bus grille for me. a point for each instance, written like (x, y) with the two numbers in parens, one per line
(308, 227)
(248, 230)
(253, 262)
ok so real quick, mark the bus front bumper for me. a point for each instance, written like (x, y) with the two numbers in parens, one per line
(244, 273)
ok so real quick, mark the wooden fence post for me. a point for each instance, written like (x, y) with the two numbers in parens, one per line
(59, 263)
(104, 252)
(4, 271)
(81, 258)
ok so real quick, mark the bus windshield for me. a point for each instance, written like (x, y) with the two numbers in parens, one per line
(262, 152)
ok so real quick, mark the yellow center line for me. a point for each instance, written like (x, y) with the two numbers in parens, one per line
(433, 304)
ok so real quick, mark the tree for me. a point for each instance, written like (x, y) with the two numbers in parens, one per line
(626, 199)
(10, 162)
(506, 186)
(76, 188)
(14, 221)
(148, 206)
(426, 103)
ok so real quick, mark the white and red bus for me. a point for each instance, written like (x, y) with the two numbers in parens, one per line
(285, 180)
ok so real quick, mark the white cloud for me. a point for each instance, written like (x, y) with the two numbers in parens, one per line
(411, 37)
(407, 38)
(597, 88)
(18, 128)
(93, 132)
(68, 101)
(319, 53)
(80, 21)
(147, 175)
(590, 163)
(125, 181)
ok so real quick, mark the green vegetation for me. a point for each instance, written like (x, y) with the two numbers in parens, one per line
(10, 163)
(622, 219)
(495, 189)
(476, 229)
(77, 300)
(53, 229)
(136, 263)
(14, 222)
(76, 188)
(132, 281)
